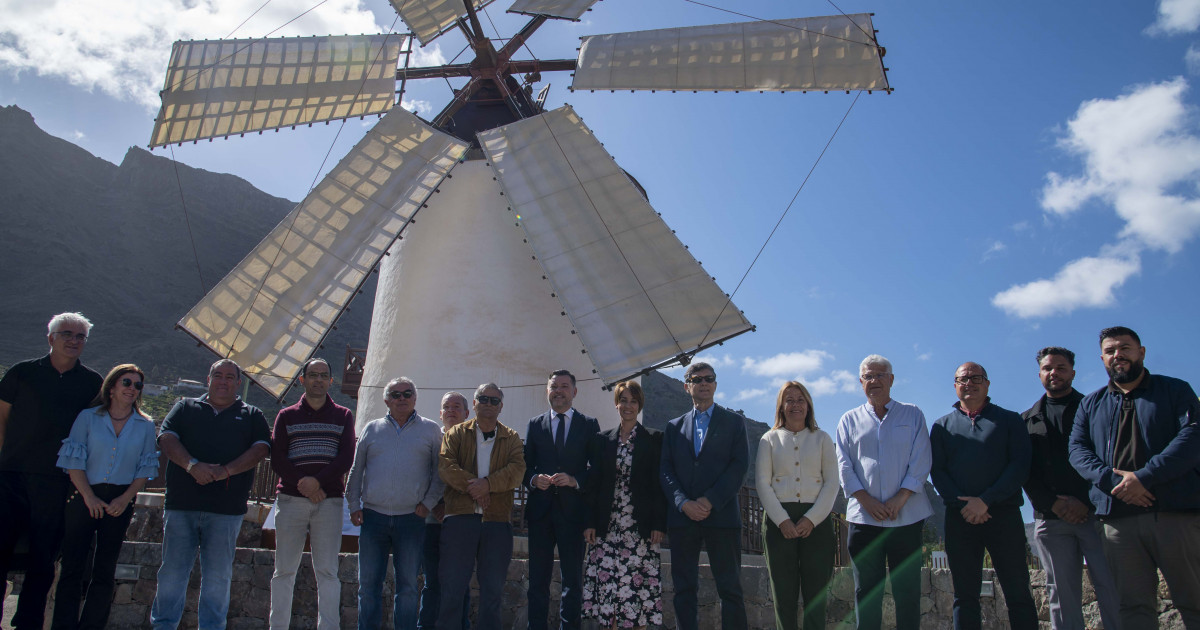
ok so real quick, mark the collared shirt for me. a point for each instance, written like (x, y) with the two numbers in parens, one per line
(45, 404)
(396, 467)
(700, 420)
(483, 458)
(882, 456)
(213, 437)
(985, 457)
(95, 447)
(568, 414)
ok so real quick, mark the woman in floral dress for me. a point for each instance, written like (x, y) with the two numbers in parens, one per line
(622, 585)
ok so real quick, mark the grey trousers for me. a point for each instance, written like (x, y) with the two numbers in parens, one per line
(1137, 548)
(1063, 547)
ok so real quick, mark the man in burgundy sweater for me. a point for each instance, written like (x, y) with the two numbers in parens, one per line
(312, 450)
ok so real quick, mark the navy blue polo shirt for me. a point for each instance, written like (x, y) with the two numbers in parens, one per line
(213, 438)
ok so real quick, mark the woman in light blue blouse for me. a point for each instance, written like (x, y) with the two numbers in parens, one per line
(111, 453)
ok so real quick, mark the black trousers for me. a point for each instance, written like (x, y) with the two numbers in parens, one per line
(872, 550)
(78, 580)
(33, 504)
(800, 569)
(556, 528)
(1003, 536)
(724, 546)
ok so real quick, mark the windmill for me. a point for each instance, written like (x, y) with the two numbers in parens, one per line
(508, 242)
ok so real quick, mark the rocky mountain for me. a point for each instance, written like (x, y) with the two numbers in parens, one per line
(113, 242)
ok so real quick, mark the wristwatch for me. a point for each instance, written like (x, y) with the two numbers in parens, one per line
(191, 462)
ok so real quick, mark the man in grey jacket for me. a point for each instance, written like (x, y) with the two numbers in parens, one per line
(393, 486)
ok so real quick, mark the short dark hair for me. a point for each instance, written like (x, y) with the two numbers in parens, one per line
(1119, 331)
(557, 373)
(1056, 350)
(635, 391)
(698, 366)
(308, 364)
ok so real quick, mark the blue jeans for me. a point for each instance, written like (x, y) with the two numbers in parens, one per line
(431, 594)
(469, 544)
(403, 536)
(215, 537)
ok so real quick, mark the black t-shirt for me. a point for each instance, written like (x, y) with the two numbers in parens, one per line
(213, 438)
(44, 406)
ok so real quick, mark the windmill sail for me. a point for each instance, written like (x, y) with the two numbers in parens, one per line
(565, 9)
(274, 308)
(429, 18)
(634, 294)
(224, 87)
(821, 53)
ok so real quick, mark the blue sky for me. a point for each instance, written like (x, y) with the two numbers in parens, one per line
(1032, 179)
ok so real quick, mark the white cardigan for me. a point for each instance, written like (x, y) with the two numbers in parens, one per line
(796, 468)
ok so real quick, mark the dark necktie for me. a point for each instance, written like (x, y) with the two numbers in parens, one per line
(560, 438)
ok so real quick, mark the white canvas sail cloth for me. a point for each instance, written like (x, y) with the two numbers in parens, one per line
(429, 18)
(217, 88)
(821, 53)
(635, 295)
(565, 9)
(274, 308)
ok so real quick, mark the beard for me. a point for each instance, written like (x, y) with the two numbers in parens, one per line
(1128, 375)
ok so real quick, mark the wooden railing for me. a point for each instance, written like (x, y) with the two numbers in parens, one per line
(352, 370)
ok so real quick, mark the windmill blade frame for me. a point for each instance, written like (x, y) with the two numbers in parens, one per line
(218, 88)
(560, 9)
(819, 53)
(633, 292)
(271, 312)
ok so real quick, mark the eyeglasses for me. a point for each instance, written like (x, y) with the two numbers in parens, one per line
(398, 394)
(128, 382)
(489, 400)
(702, 379)
(67, 335)
(874, 377)
(976, 379)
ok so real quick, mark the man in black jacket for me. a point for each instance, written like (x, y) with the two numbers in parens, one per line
(1065, 531)
(556, 469)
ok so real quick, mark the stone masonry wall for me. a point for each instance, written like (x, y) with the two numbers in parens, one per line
(251, 596)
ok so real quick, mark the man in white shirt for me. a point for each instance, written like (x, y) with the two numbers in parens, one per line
(884, 458)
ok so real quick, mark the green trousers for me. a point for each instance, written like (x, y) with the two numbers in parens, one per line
(800, 569)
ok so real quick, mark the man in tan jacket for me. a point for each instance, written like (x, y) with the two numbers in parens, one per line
(481, 463)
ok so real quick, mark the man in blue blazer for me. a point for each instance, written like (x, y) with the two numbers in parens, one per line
(556, 469)
(704, 462)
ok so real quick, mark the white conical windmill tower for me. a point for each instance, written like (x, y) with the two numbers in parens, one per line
(538, 253)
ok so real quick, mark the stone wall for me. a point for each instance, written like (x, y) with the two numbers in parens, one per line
(251, 596)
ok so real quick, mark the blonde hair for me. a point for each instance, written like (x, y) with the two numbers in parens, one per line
(810, 417)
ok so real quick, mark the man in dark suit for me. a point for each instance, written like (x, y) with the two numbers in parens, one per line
(556, 469)
(704, 461)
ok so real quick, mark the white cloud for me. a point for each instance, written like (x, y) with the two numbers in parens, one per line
(995, 248)
(750, 394)
(122, 48)
(1141, 157)
(78, 135)
(719, 396)
(922, 356)
(421, 107)
(787, 364)
(1192, 59)
(838, 382)
(1176, 16)
(428, 56)
(1087, 282)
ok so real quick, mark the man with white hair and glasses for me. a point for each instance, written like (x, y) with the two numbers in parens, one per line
(884, 458)
(39, 401)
